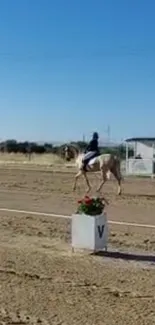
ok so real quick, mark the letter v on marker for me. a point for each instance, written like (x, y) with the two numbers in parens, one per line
(100, 230)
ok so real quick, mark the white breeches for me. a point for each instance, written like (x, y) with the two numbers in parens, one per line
(88, 155)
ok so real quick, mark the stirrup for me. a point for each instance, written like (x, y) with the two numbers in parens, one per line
(85, 168)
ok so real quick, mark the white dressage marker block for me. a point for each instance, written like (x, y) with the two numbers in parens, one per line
(89, 232)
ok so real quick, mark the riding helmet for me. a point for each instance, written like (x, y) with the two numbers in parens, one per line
(95, 135)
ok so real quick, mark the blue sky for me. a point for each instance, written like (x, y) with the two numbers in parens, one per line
(69, 67)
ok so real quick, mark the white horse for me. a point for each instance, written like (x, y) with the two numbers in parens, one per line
(105, 163)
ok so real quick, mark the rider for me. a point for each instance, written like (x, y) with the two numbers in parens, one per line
(91, 151)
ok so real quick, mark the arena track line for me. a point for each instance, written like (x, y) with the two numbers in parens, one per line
(121, 223)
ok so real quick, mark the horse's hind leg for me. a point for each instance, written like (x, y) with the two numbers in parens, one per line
(117, 174)
(104, 178)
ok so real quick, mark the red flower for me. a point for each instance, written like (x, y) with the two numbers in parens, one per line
(80, 201)
(88, 201)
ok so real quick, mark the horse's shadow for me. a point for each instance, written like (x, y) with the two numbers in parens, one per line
(138, 195)
(126, 256)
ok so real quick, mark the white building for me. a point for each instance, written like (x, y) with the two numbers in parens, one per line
(143, 161)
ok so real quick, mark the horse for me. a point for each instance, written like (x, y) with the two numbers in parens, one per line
(105, 163)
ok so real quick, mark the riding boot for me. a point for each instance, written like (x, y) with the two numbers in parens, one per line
(85, 165)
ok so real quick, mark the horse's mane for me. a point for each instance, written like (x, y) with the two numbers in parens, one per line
(75, 147)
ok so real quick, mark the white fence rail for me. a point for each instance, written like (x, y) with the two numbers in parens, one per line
(140, 167)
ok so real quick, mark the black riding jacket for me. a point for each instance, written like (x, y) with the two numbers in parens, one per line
(93, 146)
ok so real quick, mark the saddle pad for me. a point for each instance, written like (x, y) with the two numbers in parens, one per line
(92, 161)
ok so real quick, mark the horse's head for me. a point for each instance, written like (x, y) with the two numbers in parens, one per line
(68, 153)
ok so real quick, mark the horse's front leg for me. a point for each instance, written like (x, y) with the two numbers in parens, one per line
(81, 172)
(76, 179)
(87, 181)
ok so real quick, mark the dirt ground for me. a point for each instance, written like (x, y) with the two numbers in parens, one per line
(43, 282)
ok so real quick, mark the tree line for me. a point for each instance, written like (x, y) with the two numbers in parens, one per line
(28, 148)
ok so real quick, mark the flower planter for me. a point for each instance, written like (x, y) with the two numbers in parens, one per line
(89, 232)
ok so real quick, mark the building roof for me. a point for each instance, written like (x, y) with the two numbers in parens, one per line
(149, 139)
